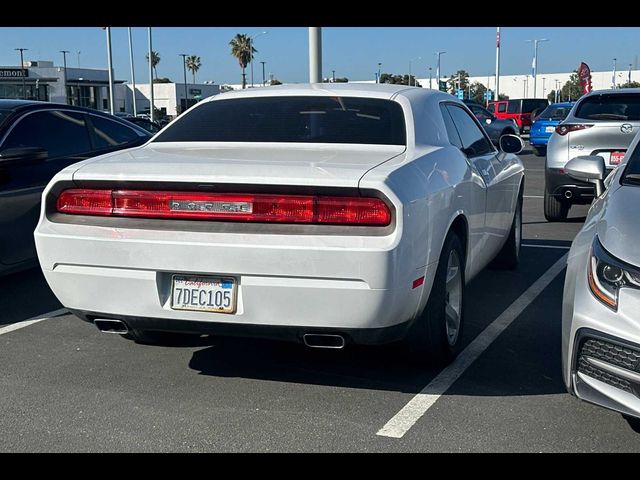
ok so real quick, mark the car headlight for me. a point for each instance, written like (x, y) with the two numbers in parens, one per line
(607, 275)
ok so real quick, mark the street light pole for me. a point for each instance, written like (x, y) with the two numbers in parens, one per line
(184, 67)
(534, 66)
(251, 52)
(497, 94)
(24, 87)
(613, 79)
(133, 74)
(430, 77)
(64, 65)
(438, 68)
(315, 54)
(150, 77)
(110, 62)
(379, 65)
(629, 73)
(263, 79)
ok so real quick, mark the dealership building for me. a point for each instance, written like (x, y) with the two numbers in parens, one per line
(88, 87)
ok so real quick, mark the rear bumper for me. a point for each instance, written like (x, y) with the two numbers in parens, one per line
(337, 283)
(558, 182)
(539, 141)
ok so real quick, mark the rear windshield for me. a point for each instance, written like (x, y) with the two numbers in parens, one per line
(610, 107)
(555, 113)
(289, 119)
(531, 104)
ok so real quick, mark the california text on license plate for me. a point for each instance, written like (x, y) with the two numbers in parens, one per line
(616, 158)
(204, 294)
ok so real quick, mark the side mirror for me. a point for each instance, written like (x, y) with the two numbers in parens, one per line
(511, 144)
(22, 156)
(588, 168)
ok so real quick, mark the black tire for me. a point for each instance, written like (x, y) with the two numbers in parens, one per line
(555, 209)
(539, 151)
(427, 341)
(509, 256)
(152, 337)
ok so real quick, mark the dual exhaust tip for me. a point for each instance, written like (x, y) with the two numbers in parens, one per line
(311, 340)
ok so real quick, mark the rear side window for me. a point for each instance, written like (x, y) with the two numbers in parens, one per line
(532, 104)
(111, 134)
(474, 142)
(514, 106)
(61, 133)
(288, 119)
(452, 133)
(609, 107)
(502, 107)
(492, 108)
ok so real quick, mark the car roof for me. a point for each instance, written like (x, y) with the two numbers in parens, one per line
(611, 91)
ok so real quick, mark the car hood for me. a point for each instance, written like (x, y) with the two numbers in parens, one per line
(264, 163)
(618, 228)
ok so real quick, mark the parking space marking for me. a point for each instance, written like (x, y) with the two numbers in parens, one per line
(418, 405)
(533, 196)
(25, 323)
(532, 245)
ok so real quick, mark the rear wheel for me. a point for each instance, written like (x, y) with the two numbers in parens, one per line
(435, 336)
(555, 209)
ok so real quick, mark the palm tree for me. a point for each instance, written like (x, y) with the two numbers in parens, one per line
(193, 64)
(155, 60)
(242, 49)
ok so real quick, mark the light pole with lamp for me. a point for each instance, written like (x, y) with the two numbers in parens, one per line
(613, 80)
(333, 76)
(379, 66)
(430, 77)
(64, 65)
(184, 67)
(251, 51)
(534, 65)
(263, 79)
(24, 88)
(438, 69)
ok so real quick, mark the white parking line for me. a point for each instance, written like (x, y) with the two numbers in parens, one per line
(533, 245)
(418, 405)
(533, 196)
(31, 321)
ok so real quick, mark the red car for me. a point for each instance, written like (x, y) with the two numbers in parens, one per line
(519, 109)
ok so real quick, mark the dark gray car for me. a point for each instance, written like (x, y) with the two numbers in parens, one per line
(495, 127)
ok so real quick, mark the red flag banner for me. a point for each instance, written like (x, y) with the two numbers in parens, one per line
(584, 73)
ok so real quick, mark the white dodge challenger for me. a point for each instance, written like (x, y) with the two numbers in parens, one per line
(326, 214)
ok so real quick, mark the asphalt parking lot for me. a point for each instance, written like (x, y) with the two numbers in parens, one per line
(67, 387)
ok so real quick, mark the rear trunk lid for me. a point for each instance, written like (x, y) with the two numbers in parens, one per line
(338, 165)
(603, 138)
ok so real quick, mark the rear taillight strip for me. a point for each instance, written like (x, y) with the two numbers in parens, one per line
(310, 209)
(563, 129)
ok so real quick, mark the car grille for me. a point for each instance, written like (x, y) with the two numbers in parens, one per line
(613, 354)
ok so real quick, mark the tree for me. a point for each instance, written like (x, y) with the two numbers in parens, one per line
(242, 49)
(155, 60)
(630, 85)
(552, 96)
(477, 92)
(460, 79)
(572, 90)
(162, 80)
(398, 79)
(502, 96)
(275, 81)
(193, 65)
(341, 80)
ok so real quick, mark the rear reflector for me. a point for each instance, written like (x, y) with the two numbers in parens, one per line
(226, 207)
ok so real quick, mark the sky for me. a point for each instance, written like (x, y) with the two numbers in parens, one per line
(353, 52)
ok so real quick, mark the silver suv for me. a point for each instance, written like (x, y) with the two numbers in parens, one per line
(603, 123)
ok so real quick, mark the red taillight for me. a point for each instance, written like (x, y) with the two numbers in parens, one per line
(563, 129)
(226, 207)
(85, 202)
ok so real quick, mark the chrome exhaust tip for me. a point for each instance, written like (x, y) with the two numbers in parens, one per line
(568, 194)
(323, 340)
(107, 325)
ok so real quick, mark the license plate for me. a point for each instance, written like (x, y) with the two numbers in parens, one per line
(616, 158)
(550, 129)
(204, 294)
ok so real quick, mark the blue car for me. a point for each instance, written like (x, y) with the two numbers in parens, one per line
(545, 124)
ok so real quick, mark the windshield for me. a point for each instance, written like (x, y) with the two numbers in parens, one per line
(555, 113)
(307, 119)
(610, 107)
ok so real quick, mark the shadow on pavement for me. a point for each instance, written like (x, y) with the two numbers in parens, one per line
(24, 295)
